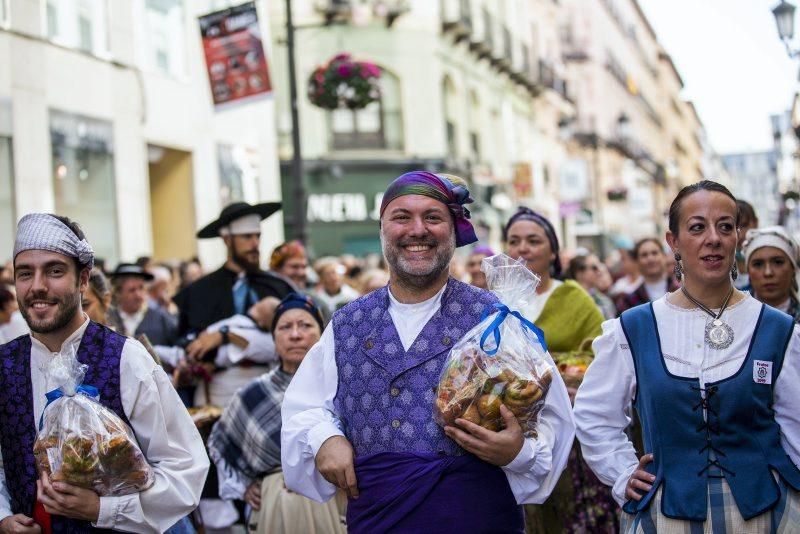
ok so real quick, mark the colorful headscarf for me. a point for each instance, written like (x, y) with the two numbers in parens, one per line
(297, 300)
(448, 189)
(526, 214)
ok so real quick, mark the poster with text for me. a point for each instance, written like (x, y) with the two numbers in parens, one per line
(235, 60)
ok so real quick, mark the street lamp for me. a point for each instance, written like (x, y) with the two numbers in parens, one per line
(298, 185)
(784, 19)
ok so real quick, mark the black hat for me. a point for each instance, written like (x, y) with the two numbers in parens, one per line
(131, 269)
(233, 211)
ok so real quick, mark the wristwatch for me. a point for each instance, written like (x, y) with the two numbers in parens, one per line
(224, 331)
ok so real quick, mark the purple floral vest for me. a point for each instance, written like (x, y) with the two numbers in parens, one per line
(100, 349)
(385, 395)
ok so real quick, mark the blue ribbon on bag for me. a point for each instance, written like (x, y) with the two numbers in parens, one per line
(89, 391)
(494, 328)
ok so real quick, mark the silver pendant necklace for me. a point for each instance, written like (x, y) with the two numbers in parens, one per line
(719, 335)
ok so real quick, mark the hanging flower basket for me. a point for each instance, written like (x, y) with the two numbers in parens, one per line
(344, 83)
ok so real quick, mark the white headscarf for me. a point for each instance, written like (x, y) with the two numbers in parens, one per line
(41, 231)
(778, 237)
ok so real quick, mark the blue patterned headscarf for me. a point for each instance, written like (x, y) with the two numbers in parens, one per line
(448, 189)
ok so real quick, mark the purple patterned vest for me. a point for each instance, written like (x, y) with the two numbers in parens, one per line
(385, 395)
(100, 349)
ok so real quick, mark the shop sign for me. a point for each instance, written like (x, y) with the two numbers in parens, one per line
(343, 207)
(235, 60)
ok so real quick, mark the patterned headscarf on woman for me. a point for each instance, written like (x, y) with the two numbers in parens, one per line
(448, 189)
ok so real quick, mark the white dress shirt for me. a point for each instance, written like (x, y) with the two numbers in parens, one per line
(604, 400)
(163, 428)
(310, 418)
(131, 321)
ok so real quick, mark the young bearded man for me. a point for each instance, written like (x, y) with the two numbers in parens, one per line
(52, 260)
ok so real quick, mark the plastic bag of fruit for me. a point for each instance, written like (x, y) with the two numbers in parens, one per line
(82, 442)
(502, 360)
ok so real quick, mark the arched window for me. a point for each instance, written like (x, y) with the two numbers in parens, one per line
(377, 126)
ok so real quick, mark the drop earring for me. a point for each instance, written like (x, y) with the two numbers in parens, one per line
(735, 271)
(678, 268)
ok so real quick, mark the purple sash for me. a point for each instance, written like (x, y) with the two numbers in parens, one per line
(422, 492)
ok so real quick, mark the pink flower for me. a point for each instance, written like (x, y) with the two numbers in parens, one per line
(369, 70)
(344, 70)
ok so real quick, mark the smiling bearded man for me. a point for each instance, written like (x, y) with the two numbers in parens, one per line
(358, 413)
(52, 261)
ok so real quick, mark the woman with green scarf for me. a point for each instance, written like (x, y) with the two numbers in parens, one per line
(569, 317)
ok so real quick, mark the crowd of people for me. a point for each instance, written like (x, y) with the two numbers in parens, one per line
(308, 383)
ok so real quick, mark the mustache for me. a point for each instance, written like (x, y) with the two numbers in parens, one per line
(40, 297)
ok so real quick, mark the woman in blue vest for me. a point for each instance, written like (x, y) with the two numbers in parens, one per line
(713, 374)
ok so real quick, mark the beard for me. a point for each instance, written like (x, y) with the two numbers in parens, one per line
(244, 261)
(418, 276)
(67, 307)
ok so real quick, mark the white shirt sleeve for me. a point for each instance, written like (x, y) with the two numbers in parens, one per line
(787, 399)
(309, 418)
(169, 441)
(533, 474)
(260, 346)
(603, 410)
(232, 483)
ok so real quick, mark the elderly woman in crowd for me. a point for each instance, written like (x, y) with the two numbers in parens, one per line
(713, 375)
(245, 443)
(569, 317)
(771, 257)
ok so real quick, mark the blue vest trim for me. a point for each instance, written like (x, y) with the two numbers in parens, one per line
(738, 439)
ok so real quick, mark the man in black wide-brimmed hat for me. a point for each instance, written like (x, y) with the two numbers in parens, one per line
(230, 290)
(240, 282)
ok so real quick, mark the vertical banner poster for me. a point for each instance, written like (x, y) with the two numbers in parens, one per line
(237, 67)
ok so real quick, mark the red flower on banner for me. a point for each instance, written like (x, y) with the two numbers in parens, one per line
(344, 83)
